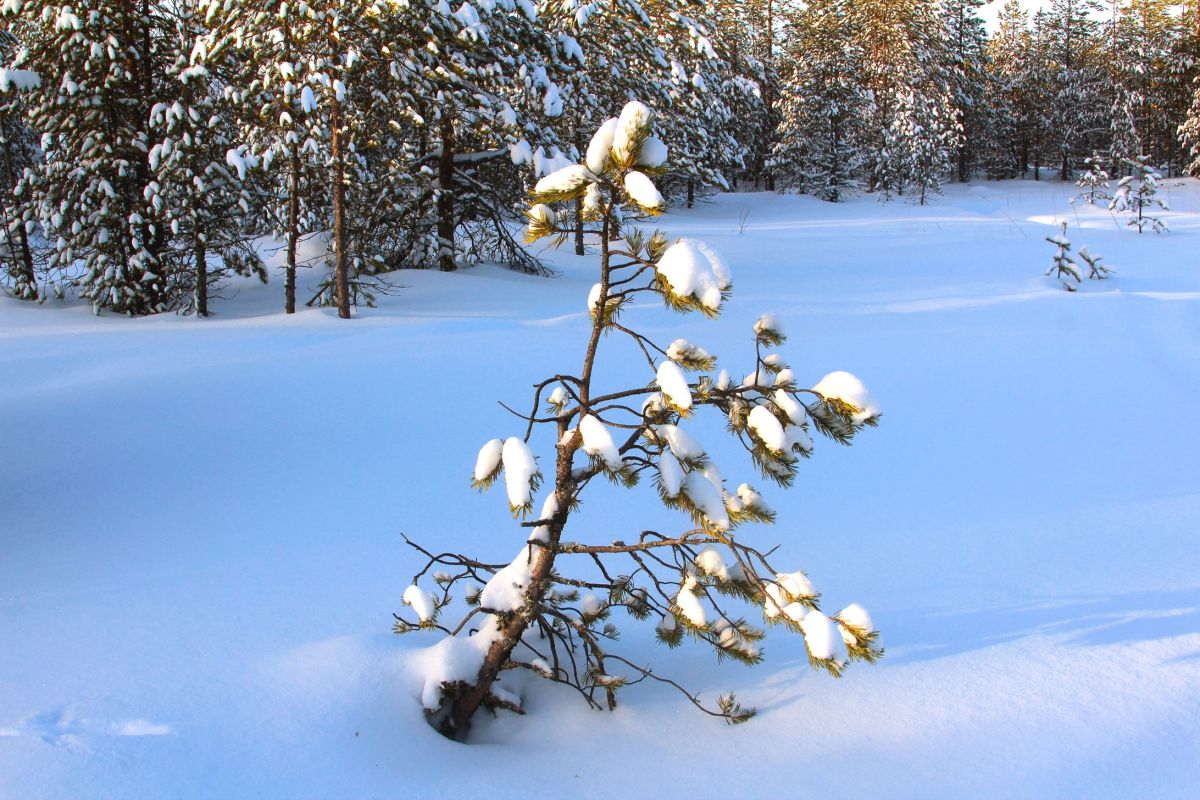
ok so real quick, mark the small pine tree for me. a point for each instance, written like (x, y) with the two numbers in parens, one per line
(1136, 196)
(1094, 180)
(1096, 270)
(536, 614)
(1064, 267)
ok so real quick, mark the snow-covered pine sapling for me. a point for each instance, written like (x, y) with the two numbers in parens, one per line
(1136, 195)
(1064, 267)
(551, 610)
(1096, 270)
(1094, 181)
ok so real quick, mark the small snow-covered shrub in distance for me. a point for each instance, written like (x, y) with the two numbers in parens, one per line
(1063, 267)
(1094, 181)
(1136, 195)
(1066, 269)
(554, 609)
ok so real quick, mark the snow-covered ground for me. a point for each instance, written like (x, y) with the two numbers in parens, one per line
(200, 524)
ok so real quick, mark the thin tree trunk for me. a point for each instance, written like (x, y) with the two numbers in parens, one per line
(341, 274)
(445, 201)
(579, 226)
(293, 229)
(691, 193)
(201, 273)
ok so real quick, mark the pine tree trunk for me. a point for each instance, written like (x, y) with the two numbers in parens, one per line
(691, 193)
(445, 201)
(341, 270)
(201, 273)
(579, 226)
(293, 229)
(462, 700)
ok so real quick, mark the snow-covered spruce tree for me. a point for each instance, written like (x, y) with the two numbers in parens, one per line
(199, 172)
(259, 59)
(18, 153)
(819, 144)
(100, 64)
(478, 112)
(744, 35)
(1124, 141)
(1138, 58)
(912, 118)
(966, 44)
(703, 123)
(1078, 108)
(1012, 95)
(547, 611)
(1136, 195)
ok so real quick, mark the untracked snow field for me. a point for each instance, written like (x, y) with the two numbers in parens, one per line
(200, 524)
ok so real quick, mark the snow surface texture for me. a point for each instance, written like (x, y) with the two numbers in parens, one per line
(187, 610)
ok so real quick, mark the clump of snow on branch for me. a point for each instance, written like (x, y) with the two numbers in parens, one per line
(520, 473)
(689, 604)
(766, 429)
(600, 146)
(850, 390)
(706, 497)
(670, 474)
(855, 616)
(674, 386)
(682, 444)
(422, 602)
(565, 180)
(654, 153)
(487, 463)
(689, 273)
(643, 192)
(598, 442)
(823, 638)
(505, 591)
(634, 119)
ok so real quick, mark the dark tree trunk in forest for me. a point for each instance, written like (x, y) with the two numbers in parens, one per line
(201, 257)
(445, 200)
(293, 224)
(341, 270)
(293, 229)
(691, 193)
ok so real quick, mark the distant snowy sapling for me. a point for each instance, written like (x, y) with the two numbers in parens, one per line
(1066, 269)
(1094, 181)
(1136, 195)
(547, 614)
